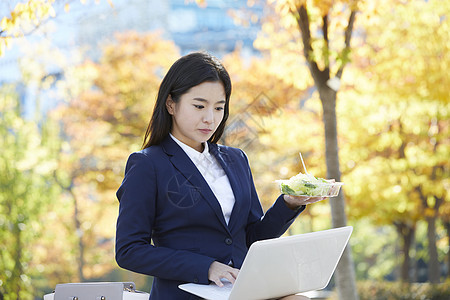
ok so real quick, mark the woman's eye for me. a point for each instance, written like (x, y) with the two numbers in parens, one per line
(198, 106)
(219, 108)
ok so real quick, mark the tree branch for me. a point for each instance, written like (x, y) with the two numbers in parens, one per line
(348, 36)
(303, 24)
(326, 51)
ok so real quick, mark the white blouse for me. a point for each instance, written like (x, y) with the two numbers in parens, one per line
(214, 175)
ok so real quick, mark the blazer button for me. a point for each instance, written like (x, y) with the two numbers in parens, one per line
(195, 280)
(228, 241)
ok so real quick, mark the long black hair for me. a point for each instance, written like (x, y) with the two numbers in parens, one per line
(187, 72)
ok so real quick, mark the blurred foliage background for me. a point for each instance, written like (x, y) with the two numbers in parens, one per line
(60, 167)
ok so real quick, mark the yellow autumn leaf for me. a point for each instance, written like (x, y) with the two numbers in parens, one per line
(7, 42)
(2, 47)
(4, 24)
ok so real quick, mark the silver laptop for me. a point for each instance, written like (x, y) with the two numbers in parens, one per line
(282, 266)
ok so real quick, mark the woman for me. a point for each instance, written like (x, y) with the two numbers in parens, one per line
(188, 206)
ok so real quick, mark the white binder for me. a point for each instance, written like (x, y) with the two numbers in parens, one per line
(97, 291)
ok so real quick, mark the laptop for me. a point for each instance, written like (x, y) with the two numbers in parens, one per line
(282, 266)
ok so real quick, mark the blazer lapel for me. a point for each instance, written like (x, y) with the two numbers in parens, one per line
(186, 167)
(228, 165)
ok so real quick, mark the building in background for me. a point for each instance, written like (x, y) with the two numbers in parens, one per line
(88, 26)
(190, 26)
(213, 28)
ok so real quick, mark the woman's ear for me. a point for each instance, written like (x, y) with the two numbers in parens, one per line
(170, 105)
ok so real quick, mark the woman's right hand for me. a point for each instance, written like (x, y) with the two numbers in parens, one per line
(218, 270)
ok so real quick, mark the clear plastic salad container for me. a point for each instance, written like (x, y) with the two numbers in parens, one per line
(307, 185)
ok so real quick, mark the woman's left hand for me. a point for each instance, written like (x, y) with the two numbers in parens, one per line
(294, 202)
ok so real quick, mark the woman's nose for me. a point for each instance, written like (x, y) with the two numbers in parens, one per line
(208, 117)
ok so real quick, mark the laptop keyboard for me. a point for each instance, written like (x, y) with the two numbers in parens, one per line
(217, 292)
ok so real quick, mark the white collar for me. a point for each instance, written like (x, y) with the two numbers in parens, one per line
(191, 152)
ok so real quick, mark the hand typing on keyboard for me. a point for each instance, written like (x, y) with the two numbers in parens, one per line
(218, 271)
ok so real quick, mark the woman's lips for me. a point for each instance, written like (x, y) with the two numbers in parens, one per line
(205, 131)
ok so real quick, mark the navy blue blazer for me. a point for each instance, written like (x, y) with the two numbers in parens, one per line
(171, 225)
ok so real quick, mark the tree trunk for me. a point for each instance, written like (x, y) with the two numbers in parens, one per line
(414, 266)
(79, 234)
(77, 223)
(18, 269)
(406, 234)
(447, 225)
(345, 274)
(433, 264)
(430, 217)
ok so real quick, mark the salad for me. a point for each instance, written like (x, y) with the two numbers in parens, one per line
(308, 185)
